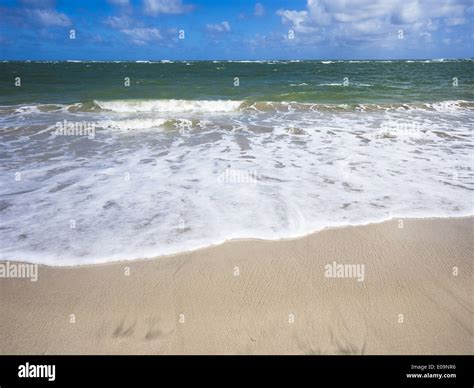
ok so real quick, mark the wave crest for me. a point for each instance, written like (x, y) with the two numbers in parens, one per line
(169, 105)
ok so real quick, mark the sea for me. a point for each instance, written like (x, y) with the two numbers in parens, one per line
(110, 161)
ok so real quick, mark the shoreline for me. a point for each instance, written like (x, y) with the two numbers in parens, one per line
(260, 297)
(240, 240)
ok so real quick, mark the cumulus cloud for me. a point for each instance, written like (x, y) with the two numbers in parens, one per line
(298, 20)
(156, 7)
(372, 20)
(218, 28)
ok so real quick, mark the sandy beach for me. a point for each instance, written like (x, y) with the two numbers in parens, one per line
(260, 297)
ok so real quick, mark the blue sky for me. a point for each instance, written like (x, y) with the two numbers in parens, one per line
(235, 29)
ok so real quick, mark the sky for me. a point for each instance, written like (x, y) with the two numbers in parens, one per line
(235, 29)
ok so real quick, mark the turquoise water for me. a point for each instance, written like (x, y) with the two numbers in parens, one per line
(93, 171)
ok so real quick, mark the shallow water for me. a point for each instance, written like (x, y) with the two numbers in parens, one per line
(91, 172)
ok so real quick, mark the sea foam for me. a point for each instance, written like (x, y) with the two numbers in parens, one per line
(165, 176)
(170, 105)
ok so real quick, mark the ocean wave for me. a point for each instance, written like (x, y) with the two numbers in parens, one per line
(169, 105)
(341, 84)
(225, 106)
(451, 105)
(441, 106)
(331, 84)
(131, 124)
(300, 84)
(184, 180)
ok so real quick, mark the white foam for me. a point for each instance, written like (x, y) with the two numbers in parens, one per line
(331, 84)
(341, 84)
(132, 124)
(170, 105)
(447, 106)
(252, 174)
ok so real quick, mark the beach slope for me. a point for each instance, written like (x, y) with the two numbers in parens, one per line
(414, 296)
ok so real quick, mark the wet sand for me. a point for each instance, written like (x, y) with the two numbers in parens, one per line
(260, 297)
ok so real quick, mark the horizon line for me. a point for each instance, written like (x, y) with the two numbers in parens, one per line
(235, 60)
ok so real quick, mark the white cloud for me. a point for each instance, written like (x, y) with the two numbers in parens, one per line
(49, 17)
(259, 10)
(341, 21)
(298, 20)
(143, 36)
(37, 12)
(155, 7)
(219, 27)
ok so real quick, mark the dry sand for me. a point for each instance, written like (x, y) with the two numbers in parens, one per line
(259, 297)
